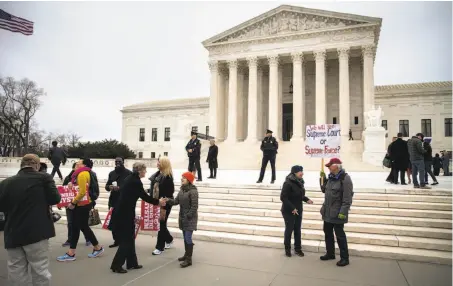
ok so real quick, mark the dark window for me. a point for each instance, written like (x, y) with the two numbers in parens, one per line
(167, 134)
(166, 154)
(384, 124)
(356, 120)
(448, 127)
(140, 155)
(154, 134)
(334, 120)
(195, 129)
(153, 155)
(207, 130)
(141, 136)
(404, 127)
(426, 127)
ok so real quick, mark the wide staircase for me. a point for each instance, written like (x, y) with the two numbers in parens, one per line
(396, 224)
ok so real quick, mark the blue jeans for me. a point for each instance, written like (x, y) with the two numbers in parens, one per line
(418, 167)
(187, 236)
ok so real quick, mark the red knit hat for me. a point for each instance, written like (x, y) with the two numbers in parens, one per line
(189, 176)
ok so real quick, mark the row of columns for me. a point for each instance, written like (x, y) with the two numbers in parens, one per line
(217, 116)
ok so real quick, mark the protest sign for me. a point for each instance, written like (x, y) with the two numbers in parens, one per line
(323, 141)
(68, 194)
(138, 223)
(107, 219)
(150, 217)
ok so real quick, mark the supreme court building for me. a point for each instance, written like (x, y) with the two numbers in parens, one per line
(285, 69)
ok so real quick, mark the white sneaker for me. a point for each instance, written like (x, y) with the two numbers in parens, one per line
(157, 252)
(168, 245)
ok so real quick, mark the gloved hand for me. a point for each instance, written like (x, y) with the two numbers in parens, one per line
(341, 216)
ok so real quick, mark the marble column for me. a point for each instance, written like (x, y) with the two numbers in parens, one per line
(253, 100)
(298, 97)
(279, 134)
(260, 99)
(273, 94)
(368, 77)
(232, 101)
(344, 101)
(221, 103)
(213, 98)
(321, 103)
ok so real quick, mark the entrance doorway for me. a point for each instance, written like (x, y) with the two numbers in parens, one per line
(287, 121)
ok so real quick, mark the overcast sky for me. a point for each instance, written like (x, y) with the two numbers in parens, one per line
(94, 58)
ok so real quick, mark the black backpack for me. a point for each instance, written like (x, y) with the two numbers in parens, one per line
(93, 188)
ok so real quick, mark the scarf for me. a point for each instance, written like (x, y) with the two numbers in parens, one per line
(77, 172)
(335, 177)
(155, 181)
(298, 181)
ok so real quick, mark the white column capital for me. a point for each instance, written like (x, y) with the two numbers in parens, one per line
(213, 65)
(232, 63)
(297, 57)
(368, 50)
(273, 60)
(343, 53)
(320, 55)
(252, 61)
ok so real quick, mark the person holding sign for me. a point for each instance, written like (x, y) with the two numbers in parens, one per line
(269, 146)
(292, 196)
(338, 193)
(123, 218)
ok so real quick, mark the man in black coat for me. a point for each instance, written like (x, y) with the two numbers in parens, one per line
(26, 198)
(193, 149)
(57, 156)
(113, 185)
(212, 159)
(269, 146)
(399, 155)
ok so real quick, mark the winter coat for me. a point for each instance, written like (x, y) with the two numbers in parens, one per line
(212, 157)
(187, 199)
(399, 154)
(195, 145)
(437, 162)
(428, 156)
(415, 147)
(337, 199)
(293, 194)
(166, 187)
(118, 175)
(269, 146)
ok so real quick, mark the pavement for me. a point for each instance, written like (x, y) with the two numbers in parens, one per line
(225, 265)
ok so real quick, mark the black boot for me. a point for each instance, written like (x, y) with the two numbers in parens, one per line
(215, 173)
(288, 252)
(327, 257)
(185, 253)
(188, 261)
(343, 262)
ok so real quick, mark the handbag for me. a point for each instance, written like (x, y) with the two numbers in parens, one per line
(93, 218)
(387, 162)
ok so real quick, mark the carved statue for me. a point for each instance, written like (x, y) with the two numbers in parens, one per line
(374, 117)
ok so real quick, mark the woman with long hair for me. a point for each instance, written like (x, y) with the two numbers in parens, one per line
(162, 186)
(123, 219)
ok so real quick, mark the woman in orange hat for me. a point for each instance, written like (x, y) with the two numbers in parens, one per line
(187, 199)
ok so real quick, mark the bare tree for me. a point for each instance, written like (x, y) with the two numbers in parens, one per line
(74, 139)
(19, 101)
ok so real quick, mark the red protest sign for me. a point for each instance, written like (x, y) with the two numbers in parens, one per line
(68, 194)
(138, 223)
(150, 217)
(107, 219)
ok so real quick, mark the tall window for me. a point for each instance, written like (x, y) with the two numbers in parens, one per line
(154, 134)
(404, 127)
(167, 134)
(447, 127)
(334, 120)
(166, 154)
(356, 120)
(153, 155)
(207, 130)
(140, 155)
(141, 136)
(426, 127)
(195, 129)
(384, 124)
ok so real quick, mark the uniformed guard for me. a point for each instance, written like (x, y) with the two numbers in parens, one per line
(269, 146)
(193, 149)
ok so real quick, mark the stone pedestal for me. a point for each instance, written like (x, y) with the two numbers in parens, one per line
(374, 145)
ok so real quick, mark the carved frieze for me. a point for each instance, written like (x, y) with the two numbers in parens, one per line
(287, 22)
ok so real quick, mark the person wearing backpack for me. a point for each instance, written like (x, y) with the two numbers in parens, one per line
(87, 182)
(338, 193)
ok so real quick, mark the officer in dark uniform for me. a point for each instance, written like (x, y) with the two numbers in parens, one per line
(269, 146)
(193, 149)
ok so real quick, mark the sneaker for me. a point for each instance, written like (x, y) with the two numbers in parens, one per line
(96, 253)
(157, 252)
(168, 245)
(66, 257)
(88, 243)
(66, 244)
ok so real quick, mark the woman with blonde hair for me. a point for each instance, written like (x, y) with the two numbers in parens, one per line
(162, 186)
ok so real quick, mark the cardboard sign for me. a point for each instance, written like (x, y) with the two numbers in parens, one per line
(150, 216)
(68, 194)
(323, 141)
(107, 219)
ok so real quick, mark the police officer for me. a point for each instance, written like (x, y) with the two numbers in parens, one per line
(269, 146)
(193, 149)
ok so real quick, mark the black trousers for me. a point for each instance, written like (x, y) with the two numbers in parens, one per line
(80, 223)
(70, 219)
(114, 232)
(126, 250)
(213, 172)
(436, 171)
(194, 162)
(164, 236)
(429, 170)
(342, 242)
(390, 177)
(293, 223)
(266, 159)
(56, 169)
(402, 173)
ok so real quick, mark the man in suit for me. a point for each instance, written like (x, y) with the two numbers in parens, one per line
(193, 149)
(26, 199)
(269, 146)
(399, 154)
(57, 156)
